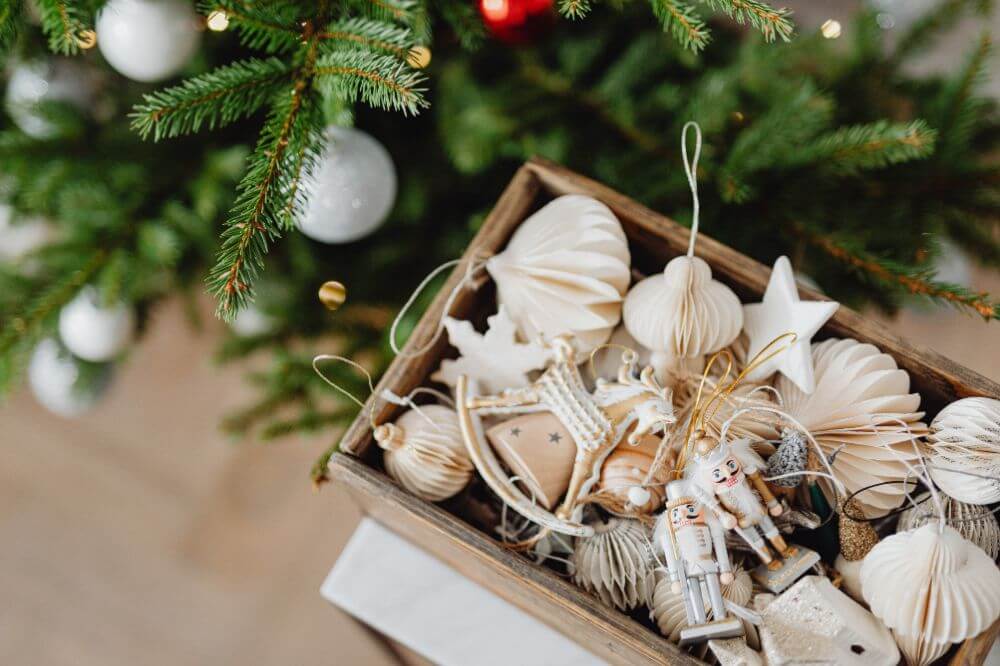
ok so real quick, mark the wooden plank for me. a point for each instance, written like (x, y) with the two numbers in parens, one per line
(938, 379)
(974, 651)
(606, 632)
(408, 372)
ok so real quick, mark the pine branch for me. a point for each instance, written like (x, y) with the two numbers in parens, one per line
(958, 104)
(351, 33)
(942, 17)
(381, 81)
(574, 9)
(10, 23)
(912, 280)
(873, 146)
(682, 22)
(318, 473)
(65, 23)
(772, 23)
(464, 21)
(272, 27)
(400, 11)
(214, 99)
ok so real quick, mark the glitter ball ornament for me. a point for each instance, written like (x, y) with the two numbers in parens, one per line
(791, 457)
(332, 295)
(517, 21)
(53, 373)
(148, 40)
(352, 189)
(93, 331)
(36, 83)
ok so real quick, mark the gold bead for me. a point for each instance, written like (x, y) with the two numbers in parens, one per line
(217, 21)
(86, 39)
(332, 294)
(419, 57)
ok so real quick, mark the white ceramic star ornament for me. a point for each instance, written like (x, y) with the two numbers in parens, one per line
(495, 358)
(782, 312)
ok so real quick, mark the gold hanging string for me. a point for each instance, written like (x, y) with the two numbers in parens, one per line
(695, 413)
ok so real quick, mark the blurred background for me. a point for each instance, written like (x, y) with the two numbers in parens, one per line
(143, 531)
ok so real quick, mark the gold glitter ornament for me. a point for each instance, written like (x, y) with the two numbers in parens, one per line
(856, 537)
(332, 294)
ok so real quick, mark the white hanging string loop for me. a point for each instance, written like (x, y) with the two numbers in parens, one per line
(691, 169)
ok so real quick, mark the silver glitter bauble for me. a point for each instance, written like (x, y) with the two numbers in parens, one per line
(148, 40)
(352, 189)
(791, 457)
(53, 375)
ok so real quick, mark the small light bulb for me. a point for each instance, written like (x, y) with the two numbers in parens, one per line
(419, 57)
(87, 39)
(217, 21)
(830, 29)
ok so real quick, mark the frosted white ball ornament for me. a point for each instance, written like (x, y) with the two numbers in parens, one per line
(37, 82)
(148, 40)
(52, 375)
(93, 331)
(21, 237)
(352, 189)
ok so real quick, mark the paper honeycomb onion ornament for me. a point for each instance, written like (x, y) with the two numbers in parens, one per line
(965, 450)
(565, 271)
(862, 410)
(616, 563)
(425, 453)
(148, 40)
(352, 189)
(932, 588)
(974, 522)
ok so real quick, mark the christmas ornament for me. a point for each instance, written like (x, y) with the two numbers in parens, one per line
(494, 359)
(424, 452)
(861, 410)
(36, 83)
(630, 406)
(734, 652)
(616, 563)
(721, 475)
(21, 237)
(815, 623)
(683, 313)
(857, 538)
(250, 321)
(789, 460)
(607, 359)
(669, 608)
(53, 374)
(93, 331)
(352, 189)
(624, 473)
(517, 21)
(932, 588)
(965, 450)
(695, 547)
(332, 295)
(781, 312)
(974, 522)
(564, 272)
(539, 451)
(148, 40)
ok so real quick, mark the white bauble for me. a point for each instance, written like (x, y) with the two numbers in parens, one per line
(36, 82)
(52, 375)
(21, 237)
(251, 321)
(965, 450)
(148, 40)
(352, 189)
(94, 332)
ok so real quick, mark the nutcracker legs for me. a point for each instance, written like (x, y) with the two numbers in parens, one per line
(753, 537)
(700, 627)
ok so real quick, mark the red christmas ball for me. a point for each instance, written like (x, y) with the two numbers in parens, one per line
(517, 21)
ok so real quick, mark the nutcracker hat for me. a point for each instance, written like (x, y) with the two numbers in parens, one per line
(678, 493)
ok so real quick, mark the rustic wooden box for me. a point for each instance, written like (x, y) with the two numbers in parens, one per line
(654, 239)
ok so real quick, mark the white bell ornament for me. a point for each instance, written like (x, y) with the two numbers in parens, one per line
(148, 40)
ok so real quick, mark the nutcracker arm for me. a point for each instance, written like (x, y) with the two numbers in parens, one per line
(761, 487)
(721, 552)
(674, 564)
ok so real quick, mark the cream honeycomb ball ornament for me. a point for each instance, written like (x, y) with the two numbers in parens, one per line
(93, 331)
(351, 190)
(965, 450)
(148, 40)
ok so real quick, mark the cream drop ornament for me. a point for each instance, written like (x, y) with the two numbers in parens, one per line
(965, 438)
(616, 563)
(425, 453)
(861, 410)
(564, 272)
(931, 586)
(974, 522)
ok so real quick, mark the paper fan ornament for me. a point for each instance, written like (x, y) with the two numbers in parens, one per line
(565, 271)
(616, 563)
(932, 587)
(683, 313)
(857, 414)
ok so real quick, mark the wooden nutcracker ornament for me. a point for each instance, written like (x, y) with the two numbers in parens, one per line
(695, 547)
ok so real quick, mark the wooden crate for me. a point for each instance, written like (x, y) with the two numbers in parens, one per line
(653, 239)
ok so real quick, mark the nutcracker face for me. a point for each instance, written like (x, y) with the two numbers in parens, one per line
(684, 515)
(726, 474)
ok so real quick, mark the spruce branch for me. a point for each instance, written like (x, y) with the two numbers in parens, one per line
(958, 104)
(872, 146)
(214, 99)
(574, 9)
(381, 81)
(400, 11)
(273, 27)
(771, 23)
(65, 23)
(934, 23)
(10, 23)
(351, 33)
(682, 22)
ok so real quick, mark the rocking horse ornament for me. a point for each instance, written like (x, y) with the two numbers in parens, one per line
(632, 405)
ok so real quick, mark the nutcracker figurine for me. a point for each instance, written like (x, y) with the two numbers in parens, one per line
(721, 475)
(695, 545)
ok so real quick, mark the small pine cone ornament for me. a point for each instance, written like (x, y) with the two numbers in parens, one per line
(791, 457)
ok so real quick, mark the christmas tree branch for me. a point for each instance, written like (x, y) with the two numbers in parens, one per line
(872, 146)
(214, 99)
(270, 27)
(10, 23)
(373, 35)
(65, 23)
(934, 23)
(682, 22)
(381, 81)
(574, 9)
(771, 23)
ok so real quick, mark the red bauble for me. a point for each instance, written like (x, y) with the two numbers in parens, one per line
(517, 21)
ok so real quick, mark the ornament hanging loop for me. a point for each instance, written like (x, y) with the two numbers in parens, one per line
(691, 169)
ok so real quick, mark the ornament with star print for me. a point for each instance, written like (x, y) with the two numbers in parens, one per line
(780, 313)
(539, 451)
(495, 359)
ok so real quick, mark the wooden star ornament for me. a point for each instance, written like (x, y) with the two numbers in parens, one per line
(495, 359)
(782, 312)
